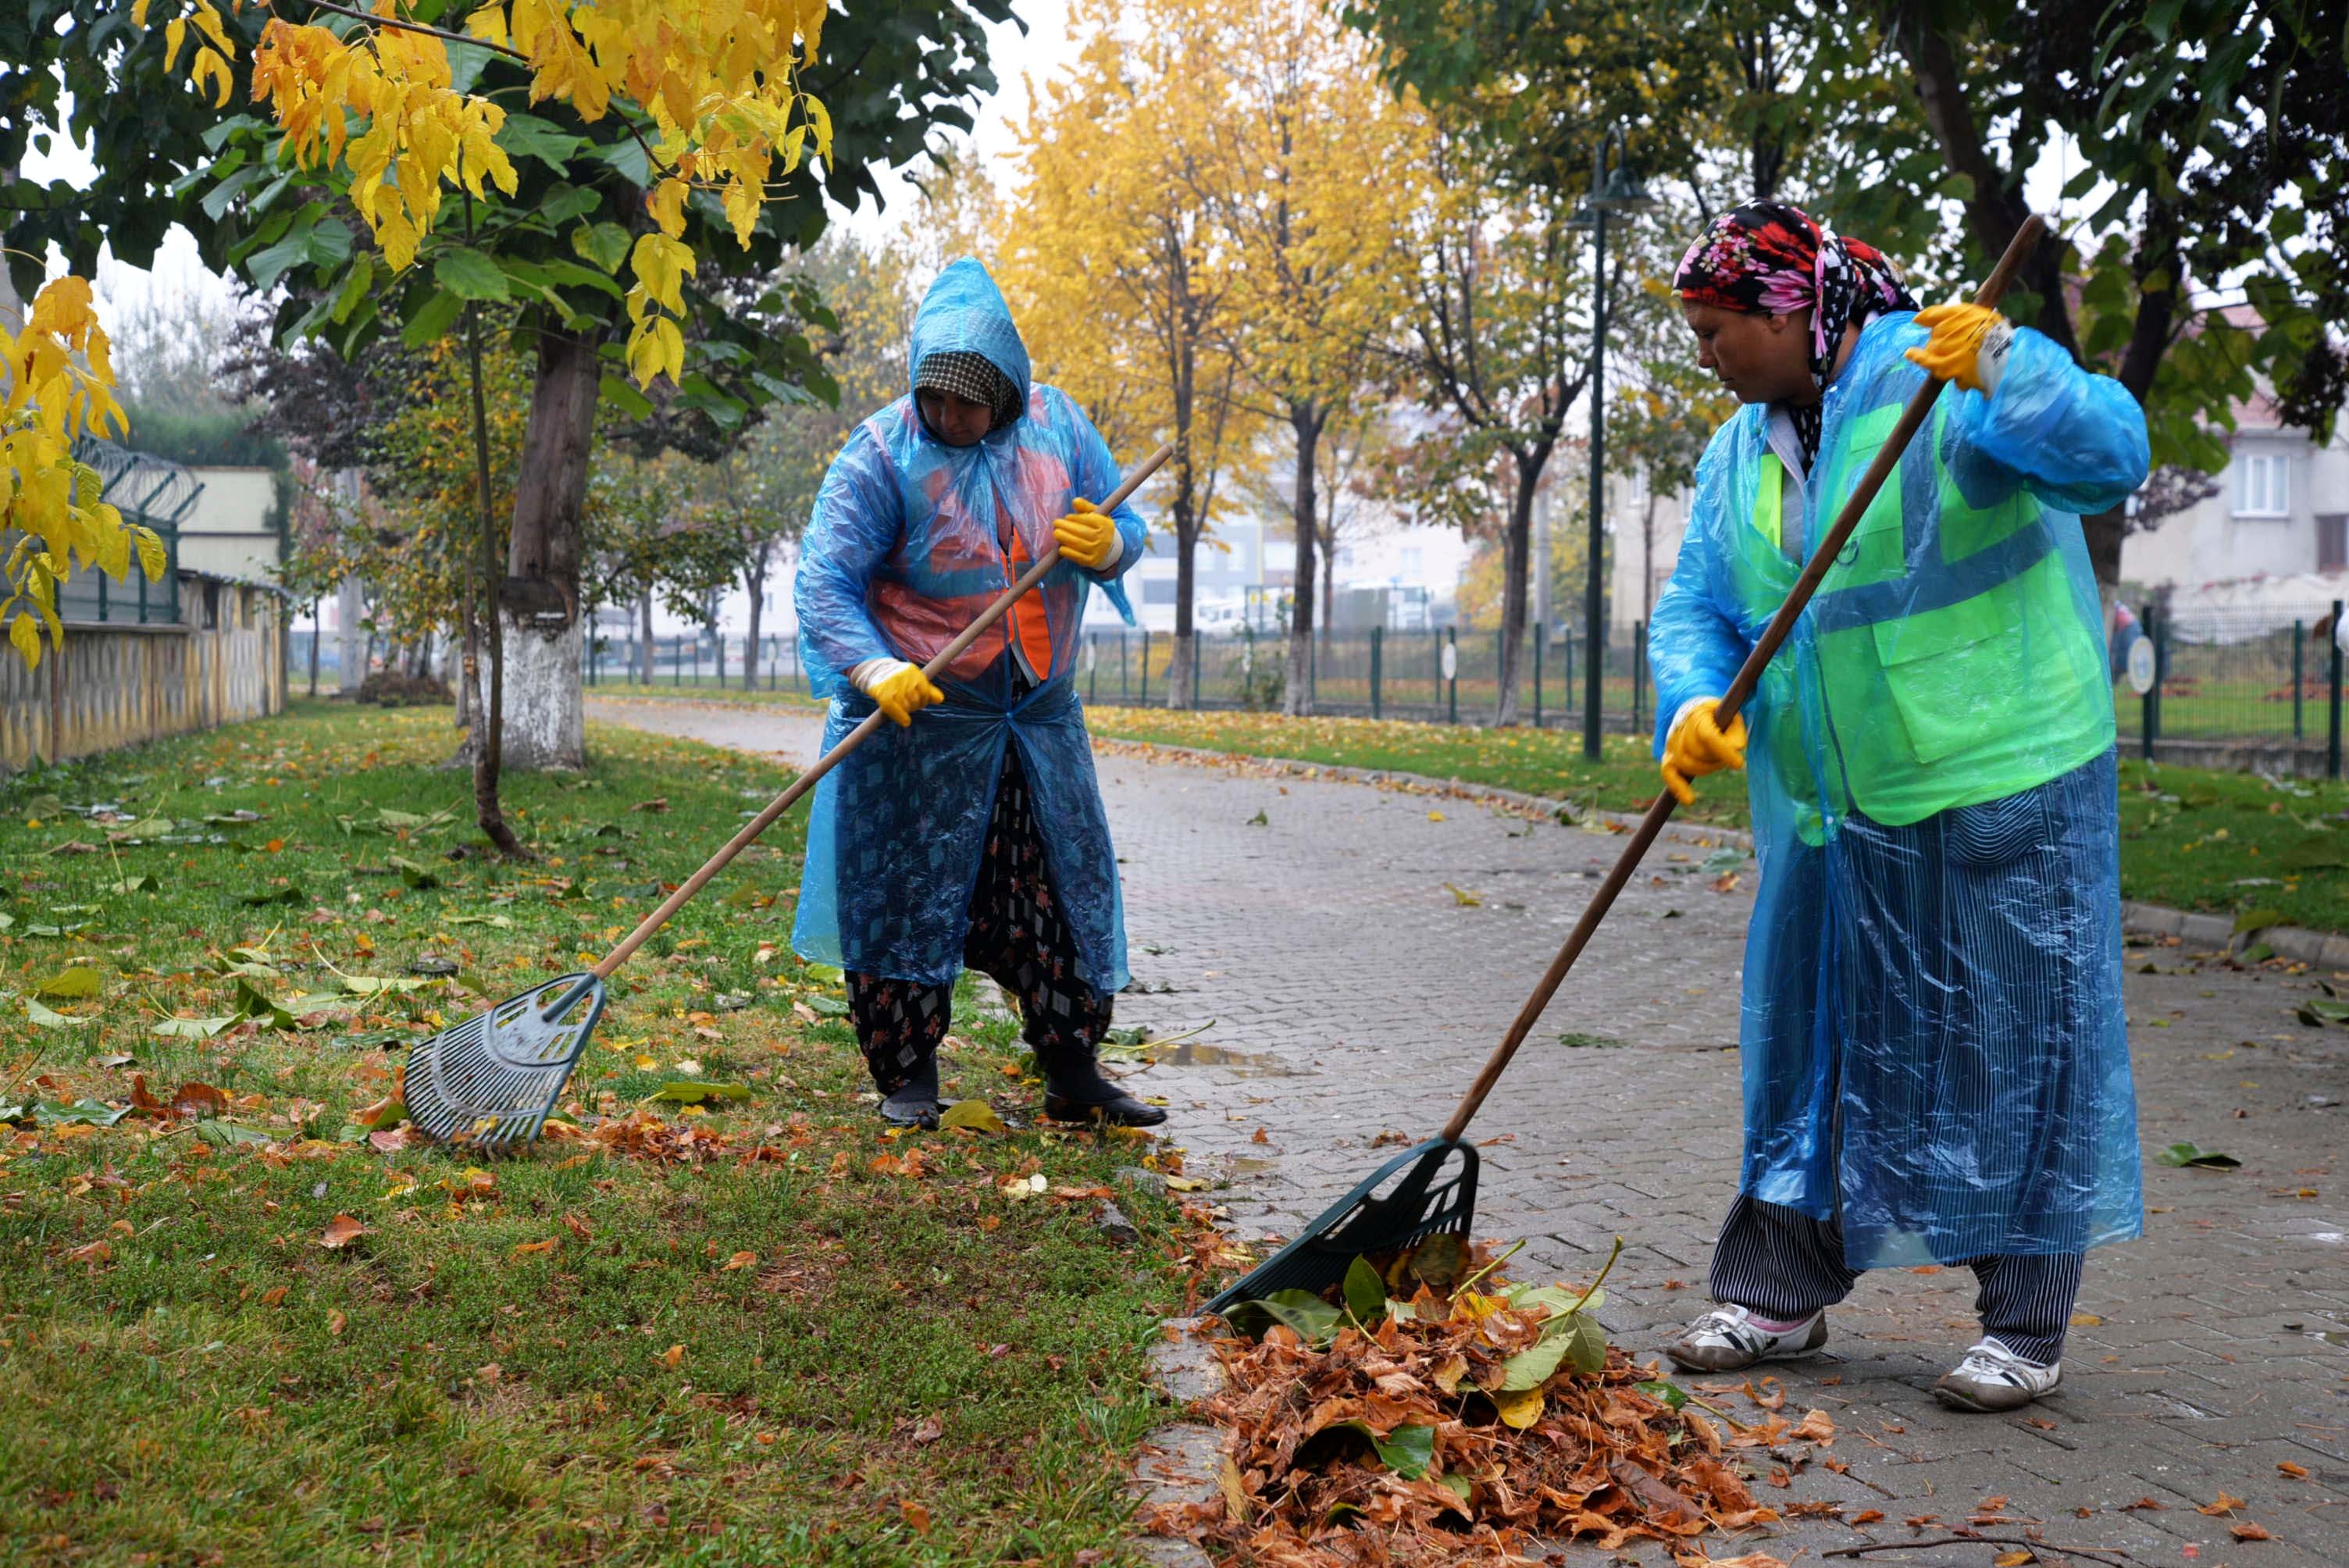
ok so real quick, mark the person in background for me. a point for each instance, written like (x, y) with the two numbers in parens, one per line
(969, 831)
(1935, 1068)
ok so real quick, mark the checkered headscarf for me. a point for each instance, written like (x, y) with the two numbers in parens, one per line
(974, 376)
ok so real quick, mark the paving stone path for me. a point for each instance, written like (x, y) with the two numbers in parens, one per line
(1359, 950)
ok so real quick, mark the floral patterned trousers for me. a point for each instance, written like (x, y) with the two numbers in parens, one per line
(1016, 936)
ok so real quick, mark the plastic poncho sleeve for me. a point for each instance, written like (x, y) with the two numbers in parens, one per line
(2075, 440)
(855, 525)
(1097, 475)
(1695, 647)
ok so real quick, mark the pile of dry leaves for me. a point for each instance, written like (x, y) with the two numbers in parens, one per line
(1429, 1412)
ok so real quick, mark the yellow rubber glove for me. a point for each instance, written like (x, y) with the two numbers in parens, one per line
(1968, 346)
(899, 689)
(1087, 536)
(1698, 745)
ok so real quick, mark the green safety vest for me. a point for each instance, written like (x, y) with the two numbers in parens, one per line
(1927, 684)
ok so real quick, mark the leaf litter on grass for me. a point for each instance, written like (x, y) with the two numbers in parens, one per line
(1424, 1412)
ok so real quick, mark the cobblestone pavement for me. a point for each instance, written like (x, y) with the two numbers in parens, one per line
(1354, 992)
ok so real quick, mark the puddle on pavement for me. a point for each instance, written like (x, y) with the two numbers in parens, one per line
(1243, 1064)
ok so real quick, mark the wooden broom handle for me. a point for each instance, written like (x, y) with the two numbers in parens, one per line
(857, 737)
(1749, 676)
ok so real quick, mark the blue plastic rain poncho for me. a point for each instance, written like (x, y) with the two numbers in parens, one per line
(1933, 1043)
(910, 539)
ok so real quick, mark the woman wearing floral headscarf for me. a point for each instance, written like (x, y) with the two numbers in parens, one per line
(1935, 1065)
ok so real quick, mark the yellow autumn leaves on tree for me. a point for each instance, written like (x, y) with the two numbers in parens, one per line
(716, 80)
(59, 384)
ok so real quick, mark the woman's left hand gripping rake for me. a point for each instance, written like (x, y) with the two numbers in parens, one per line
(489, 1081)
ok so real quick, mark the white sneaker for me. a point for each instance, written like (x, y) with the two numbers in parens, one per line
(1992, 1379)
(1726, 1339)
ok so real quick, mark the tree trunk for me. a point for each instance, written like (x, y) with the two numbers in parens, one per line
(1516, 555)
(317, 633)
(1330, 581)
(1996, 210)
(1296, 689)
(754, 582)
(1648, 558)
(545, 720)
(645, 638)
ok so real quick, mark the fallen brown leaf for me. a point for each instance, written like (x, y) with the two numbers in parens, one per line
(528, 1248)
(2297, 1472)
(1865, 1516)
(916, 1515)
(740, 1260)
(97, 1251)
(2227, 1504)
(2247, 1530)
(341, 1232)
(335, 1322)
(673, 1356)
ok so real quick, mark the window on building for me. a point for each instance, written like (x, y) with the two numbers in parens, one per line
(2333, 542)
(2262, 484)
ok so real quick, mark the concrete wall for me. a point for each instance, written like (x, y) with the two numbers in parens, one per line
(116, 686)
(228, 532)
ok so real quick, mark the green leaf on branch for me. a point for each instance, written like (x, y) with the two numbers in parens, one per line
(469, 274)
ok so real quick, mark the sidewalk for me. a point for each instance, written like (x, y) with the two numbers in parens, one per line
(1353, 992)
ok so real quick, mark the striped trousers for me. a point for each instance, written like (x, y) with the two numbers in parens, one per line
(1783, 1265)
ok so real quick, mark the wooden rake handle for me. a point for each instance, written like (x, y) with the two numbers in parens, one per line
(1749, 676)
(857, 737)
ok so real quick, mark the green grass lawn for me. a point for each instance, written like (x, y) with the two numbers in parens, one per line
(791, 1338)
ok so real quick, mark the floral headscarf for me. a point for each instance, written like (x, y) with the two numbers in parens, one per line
(1767, 258)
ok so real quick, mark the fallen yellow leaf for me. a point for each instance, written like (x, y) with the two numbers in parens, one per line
(672, 1357)
(1520, 1410)
(975, 1114)
(740, 1260)
(2087, 1320)
(528, 1247)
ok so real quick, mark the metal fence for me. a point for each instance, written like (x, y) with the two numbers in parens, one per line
(687, 661)
(2234, 680)
(1380, 673)
(1445, 676)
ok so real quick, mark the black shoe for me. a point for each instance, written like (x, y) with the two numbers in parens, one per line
(923, 1114)
(1119, 1111)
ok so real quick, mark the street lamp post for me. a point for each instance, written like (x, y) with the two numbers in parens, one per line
(1618, 192)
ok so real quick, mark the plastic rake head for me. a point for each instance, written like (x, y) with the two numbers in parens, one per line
(1429, 1198)
(489, 1081)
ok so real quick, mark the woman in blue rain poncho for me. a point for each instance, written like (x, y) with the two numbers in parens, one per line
(971, 833)
(1935, 1064)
